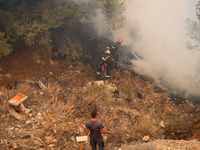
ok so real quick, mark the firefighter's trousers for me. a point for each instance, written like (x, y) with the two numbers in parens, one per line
(106, 71)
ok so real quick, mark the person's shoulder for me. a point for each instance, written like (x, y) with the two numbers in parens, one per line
(99, 122)
(88, 122)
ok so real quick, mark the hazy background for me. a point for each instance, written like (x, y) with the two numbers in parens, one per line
(155, 29)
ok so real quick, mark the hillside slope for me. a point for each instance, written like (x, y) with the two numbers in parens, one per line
(130, 106)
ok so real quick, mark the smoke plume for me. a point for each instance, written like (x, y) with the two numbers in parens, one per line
(155, 30)
(159, 37)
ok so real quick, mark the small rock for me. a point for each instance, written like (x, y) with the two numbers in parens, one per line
(55, 131)
(51, 145)
(47, 139)
(36, 142)
(146, 138)
(99, 83)
(72, 138)
(41, 93)
(11, 128)
(162, 124)
(105, 138)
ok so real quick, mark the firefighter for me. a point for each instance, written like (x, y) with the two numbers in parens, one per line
(106, 64)
(114, 51)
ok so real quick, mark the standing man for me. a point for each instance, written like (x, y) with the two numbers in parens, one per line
(106, 64)
(114, 51)
(96, 130)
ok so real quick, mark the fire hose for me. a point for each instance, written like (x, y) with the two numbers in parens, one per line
(66, 129)
(138, 58)
(60, 133)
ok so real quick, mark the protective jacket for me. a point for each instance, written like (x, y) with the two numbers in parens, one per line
(116, 45)
(107, 59)
(114, 51)
(106, 65)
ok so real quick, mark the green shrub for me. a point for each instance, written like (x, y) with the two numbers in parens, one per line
(5, 47)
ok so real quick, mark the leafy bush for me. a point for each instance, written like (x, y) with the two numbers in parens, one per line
(5, 47)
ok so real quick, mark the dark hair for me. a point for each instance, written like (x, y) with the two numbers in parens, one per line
(93, 113)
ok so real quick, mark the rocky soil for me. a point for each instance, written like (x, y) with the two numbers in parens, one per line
(132, 107)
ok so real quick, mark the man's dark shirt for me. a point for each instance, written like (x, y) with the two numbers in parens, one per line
(95, 129)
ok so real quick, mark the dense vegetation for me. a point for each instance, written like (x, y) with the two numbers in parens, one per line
(34, 21)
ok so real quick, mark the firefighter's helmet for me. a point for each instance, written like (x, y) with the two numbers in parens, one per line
(120, 40)
(107, 50)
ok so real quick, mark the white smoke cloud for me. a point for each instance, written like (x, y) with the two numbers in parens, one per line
(160, 26)
(155, 29)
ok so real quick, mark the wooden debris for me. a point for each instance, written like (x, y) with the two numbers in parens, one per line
(81, 138)
(41, 85)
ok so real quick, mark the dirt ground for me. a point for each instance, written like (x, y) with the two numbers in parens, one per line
(22, 64)
(131, 106)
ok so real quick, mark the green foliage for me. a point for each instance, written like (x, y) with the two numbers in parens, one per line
(193, 32)
(5, 48)
(33, 22)
(113, 11)
(72, 51)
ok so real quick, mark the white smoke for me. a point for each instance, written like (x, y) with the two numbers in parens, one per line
(155, 29)
(159, 37)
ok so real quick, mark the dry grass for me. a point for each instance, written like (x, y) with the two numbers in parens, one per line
(176, 123)
(130, 119)
(146, 146)
(48, 113)
(146, 126)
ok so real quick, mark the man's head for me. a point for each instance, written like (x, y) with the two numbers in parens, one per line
(94, 114)
(107, 50)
